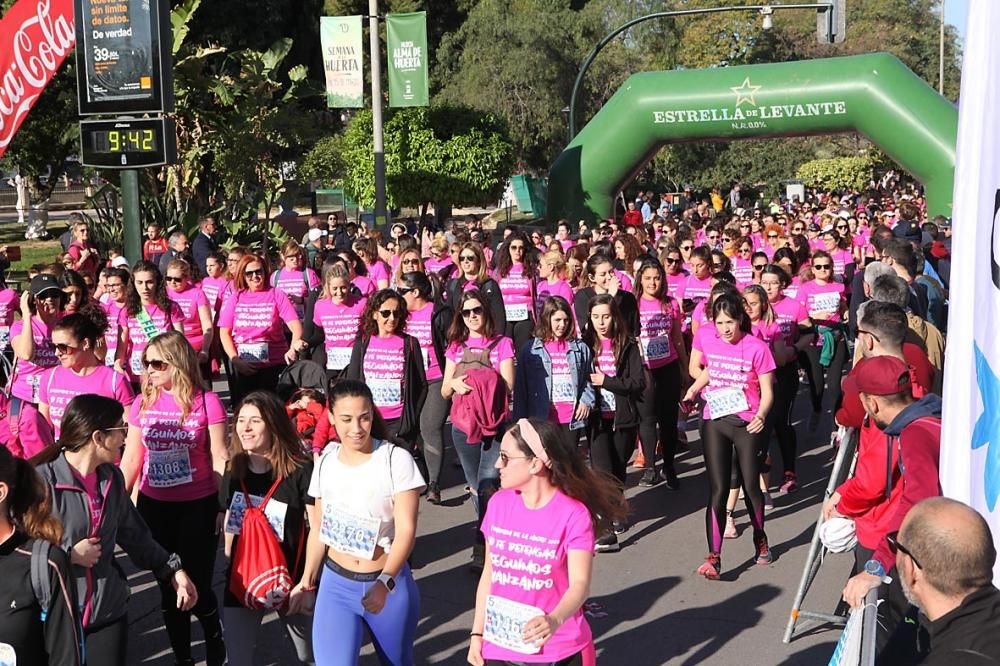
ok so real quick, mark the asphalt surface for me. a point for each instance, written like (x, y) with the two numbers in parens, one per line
(654, 608)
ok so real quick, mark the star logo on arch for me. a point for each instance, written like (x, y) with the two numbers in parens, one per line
(745, 92)
(987, 430)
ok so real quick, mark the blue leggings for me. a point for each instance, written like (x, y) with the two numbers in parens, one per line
(339, 619)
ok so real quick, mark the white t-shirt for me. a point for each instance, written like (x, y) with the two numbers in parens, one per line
(357, 501)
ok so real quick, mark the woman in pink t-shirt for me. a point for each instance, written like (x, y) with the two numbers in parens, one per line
(214, 282)
(115, 285)
(838, 247)
(294, 278)
(335, 320)
(148, 311)
(552, 279)
(408, 261)
(549, 496)
(359, 273)
(252, 330)
(390, 363)
(737, 378)
(198, 316)
(176, 452)
(827, 357)
(517, 274)
(367, 250)
(75, 338)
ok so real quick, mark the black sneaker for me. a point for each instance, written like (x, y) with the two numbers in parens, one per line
(649, 478)
(619, 526)
(215, 650)
(478, 557)
(433, 493)
(608, 543)
(669, 474)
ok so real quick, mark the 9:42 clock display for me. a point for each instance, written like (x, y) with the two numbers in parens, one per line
(128, 143)
(124, 141)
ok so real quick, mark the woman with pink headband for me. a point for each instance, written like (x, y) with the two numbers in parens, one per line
(548, 496)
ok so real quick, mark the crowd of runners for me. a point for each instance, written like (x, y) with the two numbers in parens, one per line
(548, 361)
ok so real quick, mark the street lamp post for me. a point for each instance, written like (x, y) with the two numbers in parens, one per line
(377, 139)
(832, 29)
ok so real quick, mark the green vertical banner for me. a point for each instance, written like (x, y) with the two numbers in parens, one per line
(407, 46)
(341, 41)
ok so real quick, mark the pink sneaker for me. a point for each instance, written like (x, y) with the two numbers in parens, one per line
(790, 484)
(730, 532)
(712, 567)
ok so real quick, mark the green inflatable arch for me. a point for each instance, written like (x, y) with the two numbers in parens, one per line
(875, 95)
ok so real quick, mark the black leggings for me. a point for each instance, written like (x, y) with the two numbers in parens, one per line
(779, 419)
(574, 660)
(829, 377)
(720, 437)
(610, 448)
(106, 644)
(520, 332)
(658, 407)
(188, 529)
(265, 378)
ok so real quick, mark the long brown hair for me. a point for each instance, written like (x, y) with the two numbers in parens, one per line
(553, 304)
(286, 454)
(598, 491)
(459, 330)
(85, 414)
(29, 505)
(368, 325)
(618, 333)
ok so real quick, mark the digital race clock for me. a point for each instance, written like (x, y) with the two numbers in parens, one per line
(128, 144)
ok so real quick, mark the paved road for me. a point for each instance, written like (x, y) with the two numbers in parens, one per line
(659, 611)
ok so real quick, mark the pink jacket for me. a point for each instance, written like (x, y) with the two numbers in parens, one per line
(484, 409)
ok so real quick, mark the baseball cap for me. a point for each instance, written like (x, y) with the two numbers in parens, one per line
(42, 283)
(945, 223)
(879, 375)
(119, 262)
(315, 234)
(908, 230)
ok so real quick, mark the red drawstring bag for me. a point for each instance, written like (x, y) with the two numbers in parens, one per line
(260, 578)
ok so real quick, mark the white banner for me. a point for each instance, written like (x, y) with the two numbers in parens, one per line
(970, 438)
(340, 38)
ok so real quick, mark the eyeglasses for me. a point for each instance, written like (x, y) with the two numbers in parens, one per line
(412, 261)
(895, 546)
(797, 230)
(49, 294)
(123, 428)
(821, 267)
(386, 314)
(861, 330)
(744, 226)
(504, 458)
(173, 278)
(759, 267)
(259, 272)
(772, 235)
(842, 227)
(473, 312)
(403, 291)
(517, 248)
(65, 349)
(687, 248)
(746, 250)
(156, 364)
(673, 260)
(717, 265)
(467, 257)
(115, 285)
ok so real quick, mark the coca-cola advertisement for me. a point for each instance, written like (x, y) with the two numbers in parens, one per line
(35, 38)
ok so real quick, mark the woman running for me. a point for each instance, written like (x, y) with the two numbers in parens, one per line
(737, 375)
(619, 377)
(517, 274)
(666, 358)
(32, 631)
(148, 312)
(176, 451)
(251, 328)
(366, 496)
(553, 373)
(266, 460)
(549, 496)
(89, 498)
(335, 319)
(75, 338)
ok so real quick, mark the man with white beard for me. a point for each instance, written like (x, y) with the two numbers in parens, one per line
(944, 559)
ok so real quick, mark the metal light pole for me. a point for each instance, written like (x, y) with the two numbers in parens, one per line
(941, 54)
(833, 26)
(376, 62)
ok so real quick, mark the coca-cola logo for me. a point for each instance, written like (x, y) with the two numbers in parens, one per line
(41, 36)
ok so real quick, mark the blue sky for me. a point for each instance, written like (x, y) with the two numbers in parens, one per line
(955, 12)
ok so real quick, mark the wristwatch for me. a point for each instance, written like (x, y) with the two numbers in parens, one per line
(169, 568)
(388, 581)
(875, 568)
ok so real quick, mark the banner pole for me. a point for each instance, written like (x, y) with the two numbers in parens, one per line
(130, 215)
(377, 140)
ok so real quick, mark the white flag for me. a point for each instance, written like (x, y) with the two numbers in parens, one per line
(970, 438)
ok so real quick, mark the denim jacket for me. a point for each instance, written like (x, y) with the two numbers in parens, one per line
(533, 381)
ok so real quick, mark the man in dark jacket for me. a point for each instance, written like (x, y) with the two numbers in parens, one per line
(204, 243)
(944, 558)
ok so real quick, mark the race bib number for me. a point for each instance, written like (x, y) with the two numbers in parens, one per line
(109, 358)
(505, 620)
(4, 337)
(562, 389)
(253, 352)
(517, 312)
(8, 657)
(656, 348)
(726, 401)
(274, 512)
(35, 382)
(426, 353)
(829, 302)
(337, 358)
(166, 469)
(608, 403)
(135, 363)
(348, 533)
(386, 392)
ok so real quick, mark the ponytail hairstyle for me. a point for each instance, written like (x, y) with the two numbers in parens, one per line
(28, 505)
(85, 414)
(598, 491)
(354, 388)
(731, 305)
(90, 324)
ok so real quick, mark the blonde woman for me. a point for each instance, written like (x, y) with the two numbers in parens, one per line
(176, 451)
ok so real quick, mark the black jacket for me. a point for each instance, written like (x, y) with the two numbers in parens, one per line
(970, 634)
(414, 382)
(201, 247)
(490, 291)
(626, 303)
(628, 384)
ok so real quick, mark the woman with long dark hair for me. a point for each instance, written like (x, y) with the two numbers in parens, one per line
(473, 273)
(33, 633)
(89, 498)
(76, 294)
(827, 356)
(601, 279)
(737, 375)
(366, 495)
(266, 460)
(619, 379)
(148, 312)
(517, 274)
(199, 316)
(549, 496)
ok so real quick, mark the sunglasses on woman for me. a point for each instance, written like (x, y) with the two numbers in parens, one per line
(259, 272)
(386, 314)
(473, 312)
(156, 364)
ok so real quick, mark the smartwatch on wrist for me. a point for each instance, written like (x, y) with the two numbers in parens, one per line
(388, 581)
(875, 568)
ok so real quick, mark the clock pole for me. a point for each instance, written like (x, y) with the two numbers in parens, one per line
(130, 215)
